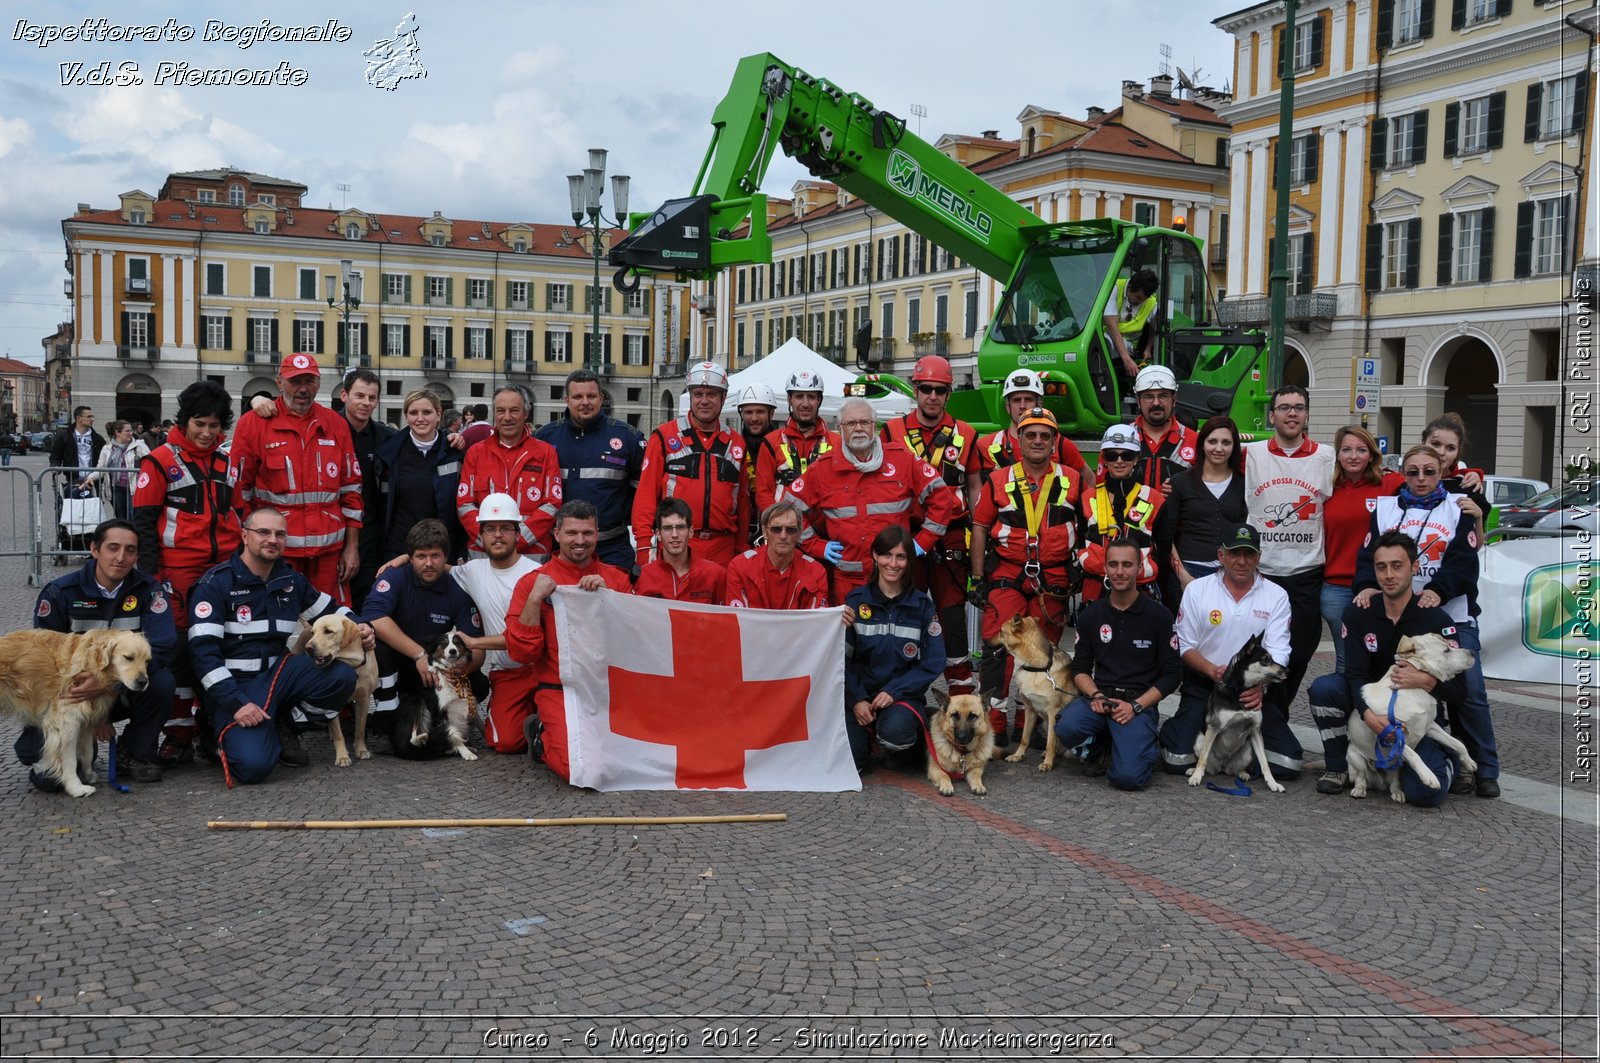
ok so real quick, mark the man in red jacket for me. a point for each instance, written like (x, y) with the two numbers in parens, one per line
(852, 493)
(514, 463)
(531, 627)
(676, 574)
(302, 463)
(786, 454)
(951, 447)
(776, 575)
(694, 458)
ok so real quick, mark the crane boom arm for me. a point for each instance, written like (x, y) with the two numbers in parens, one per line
(840, 137)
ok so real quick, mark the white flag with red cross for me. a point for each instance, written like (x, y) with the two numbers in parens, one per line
(680, 696)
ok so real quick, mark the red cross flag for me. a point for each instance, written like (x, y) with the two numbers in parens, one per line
(679, 696)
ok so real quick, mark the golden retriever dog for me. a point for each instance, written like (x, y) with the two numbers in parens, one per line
(337, 638)
(1414, 710)
(38, 667)
(963, 742)
(1043, 677)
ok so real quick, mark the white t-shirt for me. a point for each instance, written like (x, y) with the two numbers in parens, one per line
(491, 589)
(1211, 621)
(1284, 495)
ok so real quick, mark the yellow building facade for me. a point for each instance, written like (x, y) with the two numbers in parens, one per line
(1437, 193)
(222, 273)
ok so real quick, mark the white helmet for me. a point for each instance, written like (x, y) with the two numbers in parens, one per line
(707, 375)
(1120, 437)
(1155, 377)
(499, 507)
(756, 395)
(1022, 380)
(804, 380)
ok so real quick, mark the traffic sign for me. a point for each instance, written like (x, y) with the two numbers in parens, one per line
(1365, 391)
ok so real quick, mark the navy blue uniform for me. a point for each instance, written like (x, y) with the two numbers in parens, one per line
(76, 603)
(1127, 651)
(600, 464)
(374, 486)
(1370, 640)
(239, 627)
(422, 612)
(442, 463)
(895, 646)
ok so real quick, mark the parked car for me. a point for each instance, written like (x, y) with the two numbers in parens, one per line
(1511, 490)
(39, 440)
(1570, 508)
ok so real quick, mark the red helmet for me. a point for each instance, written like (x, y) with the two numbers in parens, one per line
(933, 369)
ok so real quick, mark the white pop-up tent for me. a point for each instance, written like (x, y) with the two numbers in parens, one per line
(774, 371)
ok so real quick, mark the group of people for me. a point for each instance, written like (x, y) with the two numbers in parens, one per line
(1178, 549)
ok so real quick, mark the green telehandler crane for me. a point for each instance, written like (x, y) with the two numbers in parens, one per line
(1058, 277)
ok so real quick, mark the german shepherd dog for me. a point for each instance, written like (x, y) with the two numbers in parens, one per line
(433, 722)
(1233, 733)
(963, 742)
(1043, 677)
(1413, 709)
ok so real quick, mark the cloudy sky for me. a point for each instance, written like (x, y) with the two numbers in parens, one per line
(514, 95)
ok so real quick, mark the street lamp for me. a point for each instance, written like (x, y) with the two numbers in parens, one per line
(351, 300)
(585, 188)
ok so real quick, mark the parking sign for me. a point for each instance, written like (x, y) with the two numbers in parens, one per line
(1365, 392)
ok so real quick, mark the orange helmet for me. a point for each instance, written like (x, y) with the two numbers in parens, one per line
(933, 369)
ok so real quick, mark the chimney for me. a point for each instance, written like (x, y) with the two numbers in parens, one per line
(990, 134)
(1096, 113)
(1133, 90)
(1161, 85)
(84, 208)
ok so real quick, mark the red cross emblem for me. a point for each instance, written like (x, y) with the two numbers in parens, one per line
(706, 709)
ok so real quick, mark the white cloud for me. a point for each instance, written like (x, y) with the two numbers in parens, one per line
(14, 133)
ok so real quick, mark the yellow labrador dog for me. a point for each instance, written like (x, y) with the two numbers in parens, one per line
(1414, 710)
(337, 638)
(1043, 676)
(37, 669)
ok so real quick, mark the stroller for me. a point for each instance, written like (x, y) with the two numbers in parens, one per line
(82, 511)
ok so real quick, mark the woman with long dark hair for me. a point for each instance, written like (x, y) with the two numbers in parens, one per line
(1206, 498)
(894, 650)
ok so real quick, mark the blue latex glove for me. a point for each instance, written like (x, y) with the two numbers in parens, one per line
(918, 548)
(834, 551)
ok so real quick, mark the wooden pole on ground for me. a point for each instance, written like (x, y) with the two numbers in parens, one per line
(571, 821)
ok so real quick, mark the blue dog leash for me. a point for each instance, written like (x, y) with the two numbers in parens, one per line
(111, 768)
(1391, 750)
(1236, 790)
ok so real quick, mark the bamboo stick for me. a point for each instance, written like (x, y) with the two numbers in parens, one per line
(571, 821)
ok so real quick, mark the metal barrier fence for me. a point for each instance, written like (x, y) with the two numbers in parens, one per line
(52, 513)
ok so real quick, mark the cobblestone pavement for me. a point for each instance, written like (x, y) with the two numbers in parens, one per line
(1054, 917)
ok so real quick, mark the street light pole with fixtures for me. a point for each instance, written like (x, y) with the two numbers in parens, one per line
(585, 189)
(350, 300)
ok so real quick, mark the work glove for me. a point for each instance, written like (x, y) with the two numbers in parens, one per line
(977, 594)
(833, 552)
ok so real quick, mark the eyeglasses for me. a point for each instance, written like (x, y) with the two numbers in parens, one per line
(1422, 472)
(673, 529)
(932, 389)
(783, 530)
(857, 424)
(1300, 408)
(268, 533)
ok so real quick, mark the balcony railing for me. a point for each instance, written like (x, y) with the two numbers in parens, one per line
(139, 284)
(150, 351)
(345, 361)
(438, 363)
(1301, 309)
(262, 357)
(671, 369)
(519, 366)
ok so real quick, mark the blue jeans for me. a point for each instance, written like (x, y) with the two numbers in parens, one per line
(1133, 744)
(1335, 597)
(1470, 721)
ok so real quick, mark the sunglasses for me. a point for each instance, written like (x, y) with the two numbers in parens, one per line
(1422, 472)
(932, 389)
(783, 529)
(1120, 455)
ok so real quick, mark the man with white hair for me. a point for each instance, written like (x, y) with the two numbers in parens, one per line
(850, 494)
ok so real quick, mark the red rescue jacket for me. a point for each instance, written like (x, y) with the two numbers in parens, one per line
(529, 472)
(306, 469)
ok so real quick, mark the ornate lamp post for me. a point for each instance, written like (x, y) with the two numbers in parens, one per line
(585, 189)
(348, 301)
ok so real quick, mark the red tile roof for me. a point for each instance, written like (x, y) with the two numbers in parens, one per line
(311, 223)
(1187, 110)
(12, 367)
